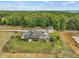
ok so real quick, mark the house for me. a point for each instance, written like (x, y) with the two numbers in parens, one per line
(37, 34)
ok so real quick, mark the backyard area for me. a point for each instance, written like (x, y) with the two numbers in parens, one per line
(15, 47)
(18, 45)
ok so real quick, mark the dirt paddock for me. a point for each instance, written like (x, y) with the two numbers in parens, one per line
(67, 38)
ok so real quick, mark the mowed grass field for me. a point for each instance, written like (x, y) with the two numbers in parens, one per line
(6, 36)
(21, 46)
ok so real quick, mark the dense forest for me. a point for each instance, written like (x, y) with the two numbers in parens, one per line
(58, 20)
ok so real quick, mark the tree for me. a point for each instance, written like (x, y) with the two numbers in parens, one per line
(41, 22)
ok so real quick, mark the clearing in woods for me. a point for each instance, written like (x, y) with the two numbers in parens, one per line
(6, 36)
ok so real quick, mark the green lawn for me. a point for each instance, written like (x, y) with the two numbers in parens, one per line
(18, 45)
(14, 44)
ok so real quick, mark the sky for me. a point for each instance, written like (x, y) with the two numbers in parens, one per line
(39, 5)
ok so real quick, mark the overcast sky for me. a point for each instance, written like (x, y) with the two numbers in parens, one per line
(39, 5)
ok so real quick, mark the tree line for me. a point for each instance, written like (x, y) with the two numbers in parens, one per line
(58, 20)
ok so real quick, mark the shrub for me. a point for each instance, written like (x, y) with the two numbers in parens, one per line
(54, 36)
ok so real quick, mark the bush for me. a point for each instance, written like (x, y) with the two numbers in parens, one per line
(54, 36)
(55, 40)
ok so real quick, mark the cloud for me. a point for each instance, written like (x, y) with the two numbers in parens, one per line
(68, 2)
(71, 2)
(44, 5)
(22, 6)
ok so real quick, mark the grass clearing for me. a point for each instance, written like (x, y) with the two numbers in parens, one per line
(18, 45)
(6, 36)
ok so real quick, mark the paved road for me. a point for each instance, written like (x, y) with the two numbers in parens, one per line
(74, 31)
(19, 30)
(14, 30)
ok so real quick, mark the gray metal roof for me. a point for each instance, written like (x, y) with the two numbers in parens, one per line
(34, 34)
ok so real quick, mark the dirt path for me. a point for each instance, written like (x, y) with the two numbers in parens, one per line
(67, 38)
(25, 55)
